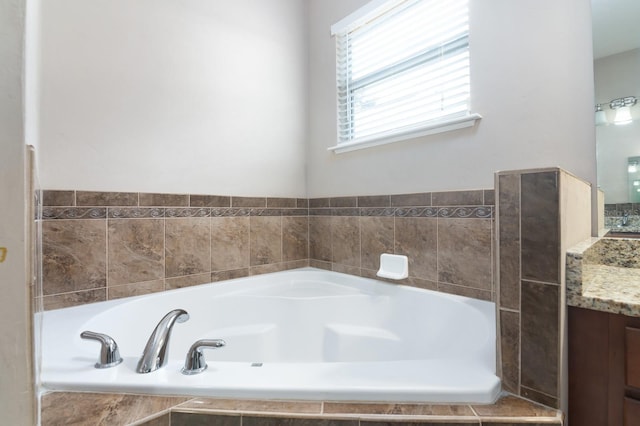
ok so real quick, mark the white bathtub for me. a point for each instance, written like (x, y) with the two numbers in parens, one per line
(317, 334)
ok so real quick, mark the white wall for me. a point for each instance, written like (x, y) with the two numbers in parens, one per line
(193, 96)
(617, 76)
(532, 81)
(16, 384)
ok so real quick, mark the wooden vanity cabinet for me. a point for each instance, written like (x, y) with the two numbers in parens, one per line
(604, 369)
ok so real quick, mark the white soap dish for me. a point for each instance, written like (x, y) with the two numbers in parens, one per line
(393, 266)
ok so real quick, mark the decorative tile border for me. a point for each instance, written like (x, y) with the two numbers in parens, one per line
(50, 213)
(467, 212)
(132, 205)
(73, 213)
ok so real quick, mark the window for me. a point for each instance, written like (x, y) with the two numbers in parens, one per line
(402, 71)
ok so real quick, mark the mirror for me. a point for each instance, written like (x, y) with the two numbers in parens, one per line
(616, 49)
(633, 179)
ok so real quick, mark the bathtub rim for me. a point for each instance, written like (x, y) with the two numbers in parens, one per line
(221, 284)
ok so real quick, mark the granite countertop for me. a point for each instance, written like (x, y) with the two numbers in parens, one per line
(604, 274)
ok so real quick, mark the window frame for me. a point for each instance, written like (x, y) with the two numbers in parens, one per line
(370, 11)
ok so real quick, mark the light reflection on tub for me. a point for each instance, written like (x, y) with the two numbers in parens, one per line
(317, 334)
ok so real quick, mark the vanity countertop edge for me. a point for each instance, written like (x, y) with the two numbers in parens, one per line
(610, 284)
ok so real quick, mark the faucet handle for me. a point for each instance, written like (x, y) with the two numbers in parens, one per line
(195, 362)
(109, 353)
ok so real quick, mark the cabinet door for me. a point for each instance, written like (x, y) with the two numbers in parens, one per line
(631, 412)
(632, 357)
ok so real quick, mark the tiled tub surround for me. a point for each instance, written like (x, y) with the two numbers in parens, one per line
(328, 215)
(106, 245)
(540, 213)
(448, 238)
(61, 408)
(604, 274)
(101, 246)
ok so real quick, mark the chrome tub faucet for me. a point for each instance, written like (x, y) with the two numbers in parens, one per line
(195, 363)
(155, 354)
(109, 353)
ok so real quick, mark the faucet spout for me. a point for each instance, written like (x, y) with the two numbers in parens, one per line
(155, 354)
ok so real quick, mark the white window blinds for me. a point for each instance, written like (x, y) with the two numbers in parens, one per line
(401, 68)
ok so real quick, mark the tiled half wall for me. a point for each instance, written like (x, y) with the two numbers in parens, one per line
(540, 213)
(446, 236)
(107, 245)
(101, 246)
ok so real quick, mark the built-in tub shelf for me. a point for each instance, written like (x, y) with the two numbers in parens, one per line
(150, 410)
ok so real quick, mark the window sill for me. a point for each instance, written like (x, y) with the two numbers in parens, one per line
(431, 129)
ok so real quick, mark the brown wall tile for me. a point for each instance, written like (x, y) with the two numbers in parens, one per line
(417, 238)
(509, 240)
(344, 202)
(248, 202)
(164, 420)
(513, 406)
(203, 419)
(134, 289)
(58, 198)
(266, 240)
(83, 408)
(489, 197)
(540, 229)
(254, 405)
(282, 202)
(374, 201)
(295, 238)
(209, 201)
(100, 199)
(76, 298)
(510, 348)
(542, 398)
(248, 420)
(345, 240)
(74, 255)
(457, 198)
(229, 275)
(229, 243)
(187, 281)
(418, 199)
(136, 250)
(315, 203)
(163, 200)
(302, 203)
(397, 409)
(320, 238)
(346, 269)
(539, 328)
(268, 268)
(464, 252)
(441, 422)
(320, 264)
(377, 238)
(187, 246)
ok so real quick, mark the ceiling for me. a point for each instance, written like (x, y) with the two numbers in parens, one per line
(616, 26)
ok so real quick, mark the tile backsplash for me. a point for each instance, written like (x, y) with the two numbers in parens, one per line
(107, 245)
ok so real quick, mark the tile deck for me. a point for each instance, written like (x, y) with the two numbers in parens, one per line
(60, 408)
